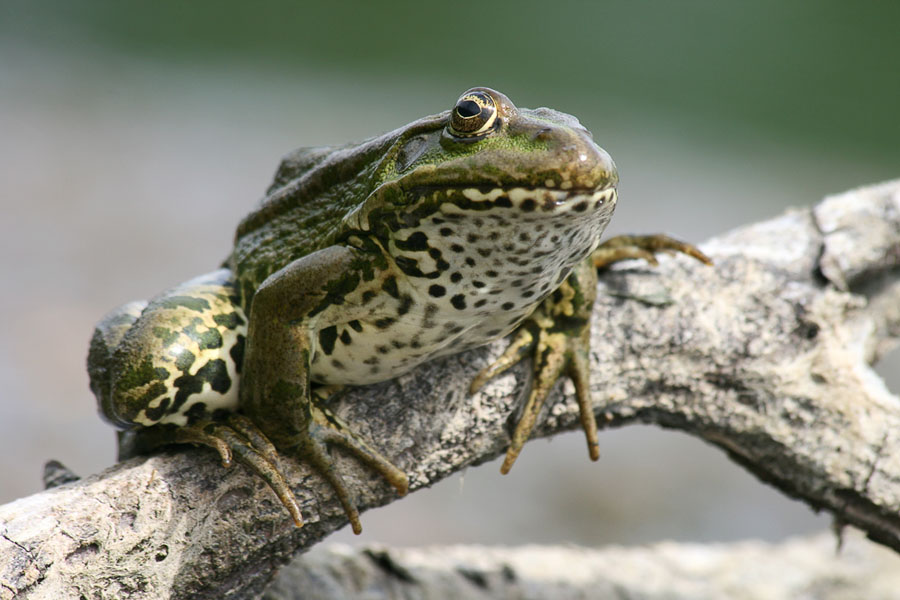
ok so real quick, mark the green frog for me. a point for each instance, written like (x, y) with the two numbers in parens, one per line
(361, 262)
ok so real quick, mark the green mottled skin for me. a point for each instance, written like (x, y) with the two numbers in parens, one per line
(361, 262)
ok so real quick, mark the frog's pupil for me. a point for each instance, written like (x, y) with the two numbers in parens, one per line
(468, 108)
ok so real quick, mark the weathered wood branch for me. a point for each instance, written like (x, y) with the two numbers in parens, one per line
(752, 570)
(767, 355)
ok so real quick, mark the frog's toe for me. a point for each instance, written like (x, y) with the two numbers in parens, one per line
(623, 247)
(518, 349)
(239, 438)
(331, 429)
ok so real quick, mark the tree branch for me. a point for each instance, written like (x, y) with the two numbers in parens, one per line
(766, 355)
(797, 568)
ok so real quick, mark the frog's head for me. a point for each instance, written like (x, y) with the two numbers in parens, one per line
(484, 153)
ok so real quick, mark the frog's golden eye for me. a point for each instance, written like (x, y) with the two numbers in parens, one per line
(475, 114)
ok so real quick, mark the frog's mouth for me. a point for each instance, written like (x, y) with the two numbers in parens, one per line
(523, 199)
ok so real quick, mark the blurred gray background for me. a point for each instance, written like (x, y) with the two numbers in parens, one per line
(134, 136)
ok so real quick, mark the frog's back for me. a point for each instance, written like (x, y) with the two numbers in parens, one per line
(303, 211)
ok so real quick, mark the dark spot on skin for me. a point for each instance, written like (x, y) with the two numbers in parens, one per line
(415, 344)
(385, 322)
(503, 202)
(189, 302)
(196, 412)
(524, 237)
(390, 286)
(492, 273)
(417, 242)
(372, 360)
(337, 364)
(484, 252)
(382, 349)
(398, 345)
(368, 296)
(478, 222)
(327, 338)
(184, 360)
(481, 303)
(346, 339)
(436, 291)
(528, 205)
(237, 353)
(554, 238)
(516, 283)
(409, 266)
(507, 306)
(456, 329)
(406, 303)
(470, 261)
(231, 320)
(472, 238)
(581, 206)
(457, 248)
(537, 269)
(446, 231)
(494, 236)
(478, 284)
(442, 265)
(355, 325)
(214, 372)
(155, 414)
(528, 294)
(209, 339)
(455, 277)
(458, 301)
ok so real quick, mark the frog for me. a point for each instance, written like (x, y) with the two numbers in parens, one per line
(361, 262)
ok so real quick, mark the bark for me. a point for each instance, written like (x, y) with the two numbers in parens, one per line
(767, 355)
(753, 570)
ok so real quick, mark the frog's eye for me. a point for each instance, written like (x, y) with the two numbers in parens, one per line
(475, 114)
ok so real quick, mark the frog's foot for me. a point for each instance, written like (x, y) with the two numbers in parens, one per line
(328, 429)
(239, 438)
(558, 350)
(624, 247)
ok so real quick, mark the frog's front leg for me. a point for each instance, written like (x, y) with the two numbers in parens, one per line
(288, 312)
(557, 335)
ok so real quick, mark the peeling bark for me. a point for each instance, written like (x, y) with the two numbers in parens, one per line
(767, 355)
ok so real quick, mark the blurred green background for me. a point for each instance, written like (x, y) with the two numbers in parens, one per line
(134, 136)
